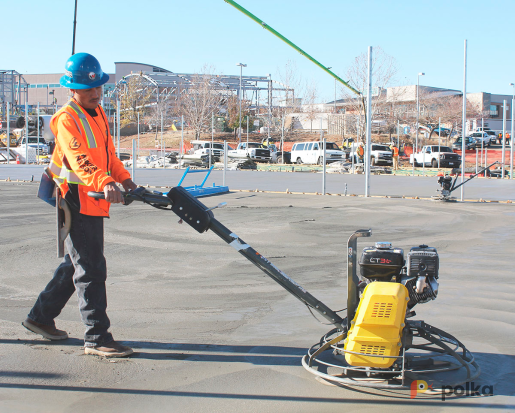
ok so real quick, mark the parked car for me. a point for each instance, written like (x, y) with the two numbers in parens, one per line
(443, 131)
(347, 143)
(13, 141)
(279, 156)
(484, 137)
(204, 148)
(470, 143)
(253, 150)
(39, 144)
(379, 154)
(313, 153)
(434, 156)
(493, 135)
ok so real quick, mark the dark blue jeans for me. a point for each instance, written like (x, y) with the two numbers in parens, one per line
(83, 270)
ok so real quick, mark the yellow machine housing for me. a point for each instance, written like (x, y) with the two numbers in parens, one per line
(377, 327)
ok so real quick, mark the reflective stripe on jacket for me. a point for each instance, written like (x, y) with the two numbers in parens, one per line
(83, 149)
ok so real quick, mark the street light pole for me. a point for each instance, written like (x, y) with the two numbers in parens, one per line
(418, 110)
(464, 122)
(74, 28)
(369, 124)
(512, 131)
(270, 99)
(503, 138)
(241, 65)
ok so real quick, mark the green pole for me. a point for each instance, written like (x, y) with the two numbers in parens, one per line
(284, 39)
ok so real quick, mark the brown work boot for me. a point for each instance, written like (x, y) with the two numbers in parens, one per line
(112, 349)
(46, 331)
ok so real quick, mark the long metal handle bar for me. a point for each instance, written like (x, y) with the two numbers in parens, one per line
(148, 197)
(352, 276)
(288, 42)
(251, 254)
(275, 273)
(471, 177)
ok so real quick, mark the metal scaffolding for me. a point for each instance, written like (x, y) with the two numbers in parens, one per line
(13, 89)
(169, 86)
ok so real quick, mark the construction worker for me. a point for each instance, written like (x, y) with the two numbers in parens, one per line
(361, 153)
(84, 160)
(395, 155)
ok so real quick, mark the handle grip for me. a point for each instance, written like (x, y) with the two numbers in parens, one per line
(138, 194)
(96, 195)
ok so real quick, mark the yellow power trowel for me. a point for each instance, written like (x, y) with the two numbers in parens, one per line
(376, 344)
(381, 346)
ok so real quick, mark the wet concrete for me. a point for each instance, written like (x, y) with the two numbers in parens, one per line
(213, 333)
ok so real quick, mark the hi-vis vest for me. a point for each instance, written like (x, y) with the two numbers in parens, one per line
(84, 154)
(395, 151)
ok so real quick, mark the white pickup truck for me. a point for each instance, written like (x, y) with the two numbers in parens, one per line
(430, 154)
(253, 150)
(379, 154)
(38, 144)
(202, 148)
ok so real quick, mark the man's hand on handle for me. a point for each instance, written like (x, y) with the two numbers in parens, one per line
(128, 185)
(112, 193)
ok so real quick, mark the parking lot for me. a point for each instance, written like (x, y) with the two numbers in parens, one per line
(380, 185)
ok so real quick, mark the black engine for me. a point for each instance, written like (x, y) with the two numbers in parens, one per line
(418, 273)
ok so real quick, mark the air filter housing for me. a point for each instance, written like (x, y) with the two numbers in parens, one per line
(422, 261)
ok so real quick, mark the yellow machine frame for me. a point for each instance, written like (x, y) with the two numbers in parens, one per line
(377, 327)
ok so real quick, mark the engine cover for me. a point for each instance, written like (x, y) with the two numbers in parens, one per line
(381, 262)
(422, 261)
(377, 327)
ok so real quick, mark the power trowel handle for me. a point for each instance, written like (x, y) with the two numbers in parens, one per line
(201, 218)
(139, 194)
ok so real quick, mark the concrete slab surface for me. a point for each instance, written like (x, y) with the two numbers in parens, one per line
(421, 186)
(214, 334)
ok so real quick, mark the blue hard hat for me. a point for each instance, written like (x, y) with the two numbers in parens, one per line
(83, 71)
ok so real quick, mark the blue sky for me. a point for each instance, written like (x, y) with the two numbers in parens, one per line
(183, 36)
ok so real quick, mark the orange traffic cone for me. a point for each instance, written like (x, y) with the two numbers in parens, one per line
(18, 159)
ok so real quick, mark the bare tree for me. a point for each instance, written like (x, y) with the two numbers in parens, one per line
(233, 112)
(310, 99)
(200, 100)
(447, 109)
(384, 70)
(288, 77)
(135, 96)
(161, 112)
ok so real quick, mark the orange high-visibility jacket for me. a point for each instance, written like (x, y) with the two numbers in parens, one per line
(395, 151)
(83, 149)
